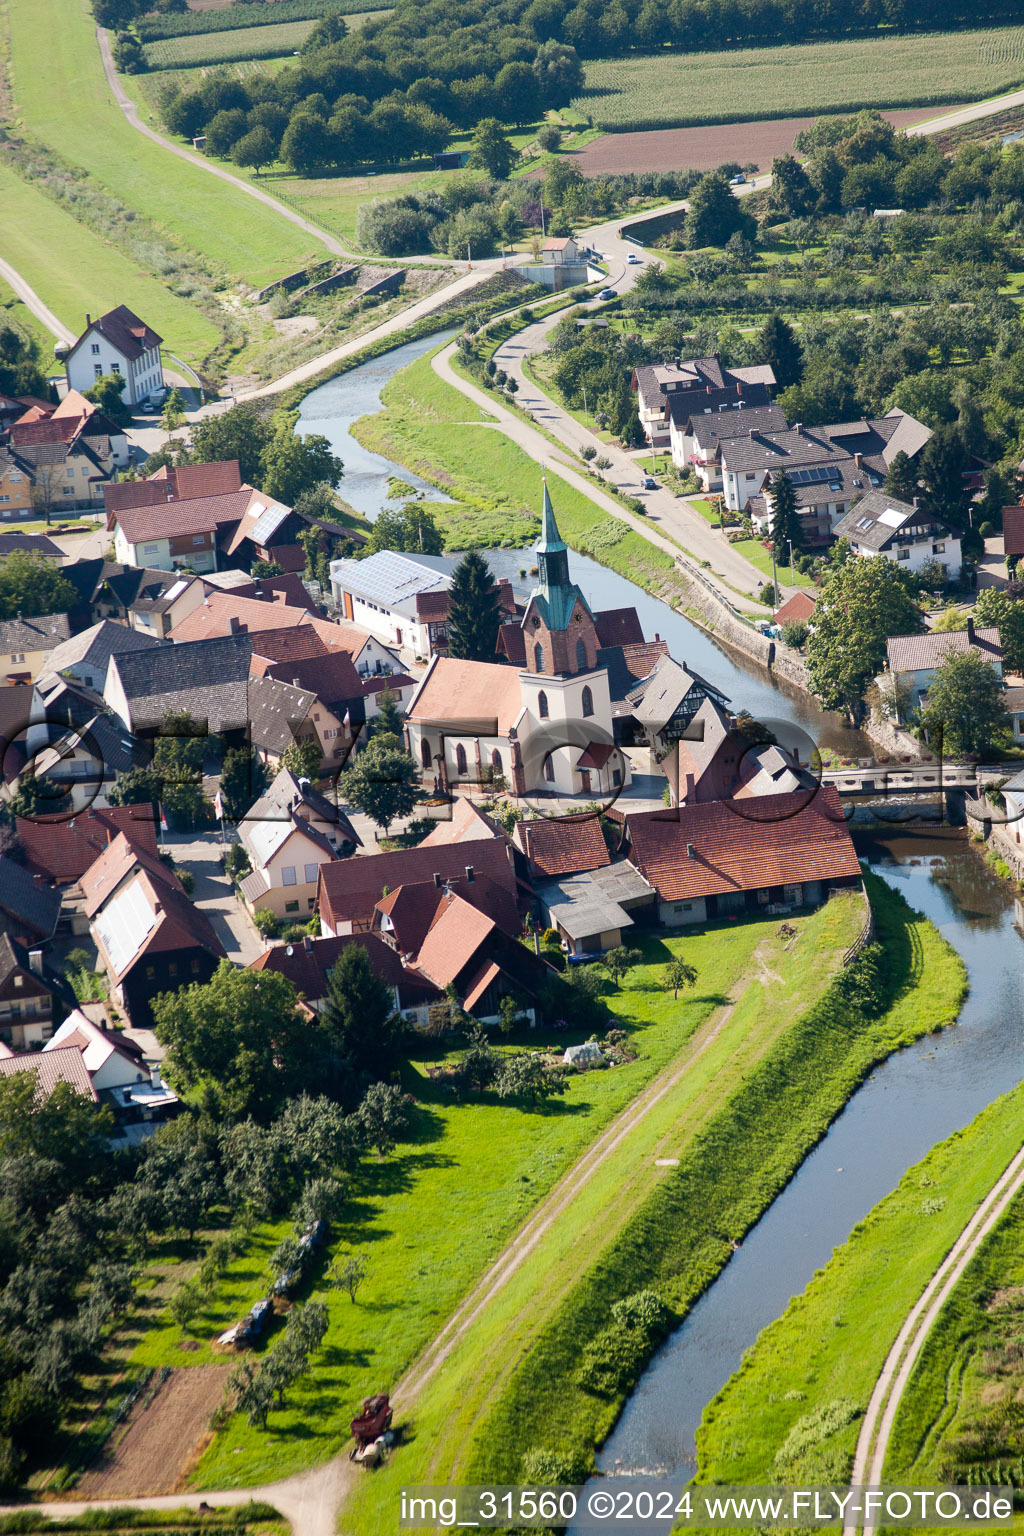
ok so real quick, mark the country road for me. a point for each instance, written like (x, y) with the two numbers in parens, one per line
(873, 1440)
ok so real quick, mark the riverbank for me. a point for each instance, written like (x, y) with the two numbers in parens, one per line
(519, 1373)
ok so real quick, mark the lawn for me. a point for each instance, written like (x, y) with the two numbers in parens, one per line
(743, 84)
(832, 1341)
(17, 314)
(484, 1165)
(754, 551)
(499, 1387)
(54, 61)
(75, 272)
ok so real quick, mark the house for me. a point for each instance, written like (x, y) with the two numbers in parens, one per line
(108, 589)
(150, 937)
(61, 849)
(878, 525)
(705, 383)
(86, 656)
(227, 613)
(120, 1075)
(207, 680)
(548, 728)
(479, 868)
(27, 543)
(308, 967)
(74, 418)
(593, 911)
(16, 481)
(279, 714)
(402, 599)
(70, 463)
(117, 342)
(82, 764)
(26, 997)
(914, 659)
(561, 845)
(51, 1068)
(459, 821)
(288, 834)
(172, 535)
(320, 637)
(29, 909)
(696, 433)
(339, 688)
(27, 644)
(560, 252)
(798, 609)
(457, 946)
(708, 862)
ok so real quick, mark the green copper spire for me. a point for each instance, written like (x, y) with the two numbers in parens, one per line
(550, 538)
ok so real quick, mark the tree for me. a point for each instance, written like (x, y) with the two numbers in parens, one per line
(791, 191)
(240, 1035)
(943, 463)
(243, 778)
(901, 481)
(242, 433)
(348, 1274)
(491, 150)
(678, 973)
(524, 1076)
(108, 394)
(139, 786)
(388, 719)
(794, 634)
(255, 148)
(966, 711)
(407, 529)
(33, 586)
(173, 418)
(518, 93)
(1007, 614)
(474, 616)
(383, 1115)
(254, 1393)
(20, 373)
(383, 782)
(36, 797)
(786, 529)
(304, 757)
(178, 760)
(620, 960)
(291, 464)
(359, 1020)
(862, 603)
(715, 214)
(782, 350)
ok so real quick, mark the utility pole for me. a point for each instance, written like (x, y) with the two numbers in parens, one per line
(586, 413)
(775, 582)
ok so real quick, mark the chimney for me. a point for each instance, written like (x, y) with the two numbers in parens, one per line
(437, 880)
(691, 852)
(233, 624)
(657, 637)
(857, 459)
(295, 682)
(88, 321)
(970, 631)
(470, 874)
(739, 387)
(258, 593)
(35, 961)
(917, 502)
(798, 426)
(307, 945)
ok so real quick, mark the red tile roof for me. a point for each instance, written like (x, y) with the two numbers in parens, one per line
(797, 609)
(114, 864)
(307, 969)
(1013, 530)
(63, 1065)
(213, 617)
(64, 850)
(470, 693)
(454, 936)
(563, 845)
(350, 888)
(299, 642)
(288, 588)
(466, 821)
(170, 520)
(619, 626)
(184, 482)
(773, 840)
(332, 678)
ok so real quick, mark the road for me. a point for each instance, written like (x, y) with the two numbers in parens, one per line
(32, 301)
(970, 114)
(873, 1440)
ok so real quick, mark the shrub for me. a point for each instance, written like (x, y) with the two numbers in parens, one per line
(187, 879)
(549, 138)
(769, 595)
(543, 1468)
(612, 1360)
(266, 922)
(795, 634)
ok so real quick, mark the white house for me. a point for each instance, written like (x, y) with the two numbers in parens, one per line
(879, 526)
(914, 659)
(697, 385)
(290, 831)
(402, 599)
(118, 342)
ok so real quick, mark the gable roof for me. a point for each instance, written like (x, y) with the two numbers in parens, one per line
(15, 957)
(562, 845)
(26, 901)
(474, 693)
(172, 519)
(466, 822)
(332, 678)
(65, 1065)
(225, 613)
(875, 520)
(1013, 530)
(288, 793)
(276, 711)
(308, 965)
(797, 609)
(96, 645)
(62, 851)
(149, 914)
(208, 678)
(618, 626)
(30, 544)
(776, 840)
(297, 642)
(919, 653)
(453, 938)
(97, 1045)
(124, 330)
(43, 633)
(350, 889)
(113, 865)
(394, 580)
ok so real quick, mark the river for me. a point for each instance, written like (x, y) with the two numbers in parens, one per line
(916, 1098)
(335, 406)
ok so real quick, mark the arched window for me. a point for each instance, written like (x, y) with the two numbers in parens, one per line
(587, 702)
(425, 752)
(542, 704)
(549, 768)
(460, 758)
(538, 658)
(496, 760)
(581, 656)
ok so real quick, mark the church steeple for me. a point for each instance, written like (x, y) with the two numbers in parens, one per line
(552, 553)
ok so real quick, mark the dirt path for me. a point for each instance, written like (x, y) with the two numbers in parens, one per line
(32, 301)
(873, 1441)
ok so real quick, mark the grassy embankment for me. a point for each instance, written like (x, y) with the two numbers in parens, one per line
(511, 1383)
(54, 60)
(434, 1214)
(240, 1520)
(831, 1342)
(744, 84)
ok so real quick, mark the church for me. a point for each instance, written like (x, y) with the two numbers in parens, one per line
(544, 724)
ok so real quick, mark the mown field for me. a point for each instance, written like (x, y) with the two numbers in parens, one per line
(55, 60)
(237, 46)
(666, 89)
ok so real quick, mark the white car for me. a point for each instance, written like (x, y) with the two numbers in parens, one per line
(635, 261)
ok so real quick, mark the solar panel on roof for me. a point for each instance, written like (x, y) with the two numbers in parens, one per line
(269, 522)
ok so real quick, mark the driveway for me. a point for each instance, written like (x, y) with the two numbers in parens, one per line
(215, 895)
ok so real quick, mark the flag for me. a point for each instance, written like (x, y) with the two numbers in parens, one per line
(346, 722)
(163, 819)
(218, 806)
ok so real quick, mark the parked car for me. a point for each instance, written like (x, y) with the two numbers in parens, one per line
(649, 483)
(738, 181)
(607, 293)
(635, 261)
